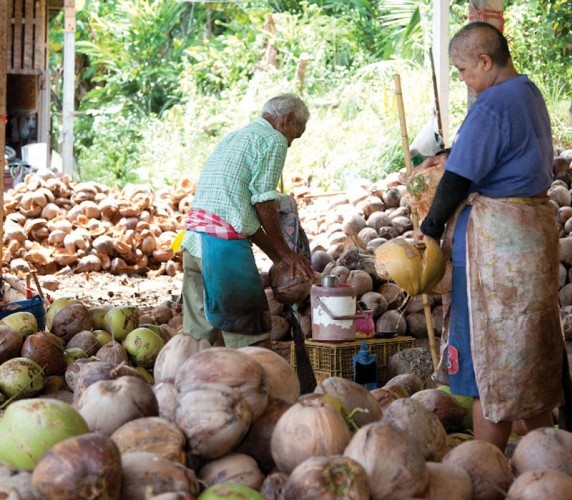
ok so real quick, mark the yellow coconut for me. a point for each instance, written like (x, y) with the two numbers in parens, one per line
(400, 261)
(433, 265)
(414, 271)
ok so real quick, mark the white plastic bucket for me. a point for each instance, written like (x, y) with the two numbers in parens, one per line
(333, 313)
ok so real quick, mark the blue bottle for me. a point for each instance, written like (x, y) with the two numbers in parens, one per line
(365, 367)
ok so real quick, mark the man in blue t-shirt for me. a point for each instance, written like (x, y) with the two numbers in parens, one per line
(504, 317)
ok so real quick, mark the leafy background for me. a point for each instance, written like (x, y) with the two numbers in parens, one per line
(159, 82)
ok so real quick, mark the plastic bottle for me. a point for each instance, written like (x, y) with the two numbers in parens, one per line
(365, 368)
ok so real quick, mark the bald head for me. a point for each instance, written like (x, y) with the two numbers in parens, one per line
(478, 38)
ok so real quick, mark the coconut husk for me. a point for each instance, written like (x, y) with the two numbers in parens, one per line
(421, 187)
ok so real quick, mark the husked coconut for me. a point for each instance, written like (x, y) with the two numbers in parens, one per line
(446, 407)
(234, 468)
(422, 425)
(545, 448)
(488, 467)
(230, 367)
(392, 460)
(448, 481)
(541, 483)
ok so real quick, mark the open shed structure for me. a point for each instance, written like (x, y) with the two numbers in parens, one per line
(25, 77)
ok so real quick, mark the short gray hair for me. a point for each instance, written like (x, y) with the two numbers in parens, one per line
(287, 103)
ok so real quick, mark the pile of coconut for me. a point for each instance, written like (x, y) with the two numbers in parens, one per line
(98, 405)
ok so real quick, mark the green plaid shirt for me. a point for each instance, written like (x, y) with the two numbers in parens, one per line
(244, 169)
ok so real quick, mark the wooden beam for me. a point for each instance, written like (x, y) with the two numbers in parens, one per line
(3, 77)
(68, 98)
(441, 59)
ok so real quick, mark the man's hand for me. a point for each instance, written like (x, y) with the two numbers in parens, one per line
(419, 239)
(298, 262)
(434, 161)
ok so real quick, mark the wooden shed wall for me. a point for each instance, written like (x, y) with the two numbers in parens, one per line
(27, 37)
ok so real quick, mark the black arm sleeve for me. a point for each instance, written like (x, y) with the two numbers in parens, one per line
(451, 191)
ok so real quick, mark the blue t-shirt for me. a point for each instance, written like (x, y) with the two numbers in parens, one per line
(504, 147)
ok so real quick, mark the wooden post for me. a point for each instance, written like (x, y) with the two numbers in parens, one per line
(441, 59)
(414, 219)
(3, 118)
(301, 72)
(486, 11)
(68, 99)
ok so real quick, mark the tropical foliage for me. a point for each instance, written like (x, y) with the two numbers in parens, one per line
(160, 81)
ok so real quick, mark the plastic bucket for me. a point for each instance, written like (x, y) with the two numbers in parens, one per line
(333, 313)
(35, 305)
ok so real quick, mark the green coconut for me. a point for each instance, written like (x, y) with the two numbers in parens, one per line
(21, 378)
(102, 337)
(230, 492)
(97, 313)
(119, 321)
(73, 354)
(30, 427)
(22, 321)
(143, 346)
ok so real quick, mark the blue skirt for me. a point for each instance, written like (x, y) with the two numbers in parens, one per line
(234, 294)
(459, 361)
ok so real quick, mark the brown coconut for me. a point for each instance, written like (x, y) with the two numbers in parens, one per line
(539, 484)
(256, 443)
(448, 481)
(357, 400)
(174, 353)
(70, 320)
(152, 434)
(288, 285)
(273, 486)
(113, 352)
(234, 468)
(47, 350)
(86, 341)
(86, 466)
(393, 462)
(446, 407)
(167, 399)
(148, 474)
(10, 343)
(421, 424)
(488, 467)
(545, 448)
(108, 404)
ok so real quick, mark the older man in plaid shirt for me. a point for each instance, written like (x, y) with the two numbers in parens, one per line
(235, 205)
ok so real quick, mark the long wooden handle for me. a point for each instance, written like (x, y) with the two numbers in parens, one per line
(414, 219)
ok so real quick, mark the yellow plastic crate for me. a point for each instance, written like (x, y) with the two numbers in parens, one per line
(336, 359)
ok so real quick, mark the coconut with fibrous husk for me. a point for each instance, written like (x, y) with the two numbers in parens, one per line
(167, 399)
(234, 468)
(86, 466)
(539, 484)
(281, 378)
(47, 350)
(545, 448)
(411, 382)
(327, 477)
(230, 367)
(256, 443)
(71, 320)
(273, 486)
(112, 352)
(94, 371)
(16, 484)
(422, 425)
(30, 427)
(392, 460)
(214, 417)
(313, 426)
(10, 342)
(86, 341)
(73, 369)
(21, 378)
(446, 407)
(152, 434)
(56, 306)
(143, 346)
(108, 404)
(230, 491)
(22, 321)
(356, 399)
(174, 353)
(488, 467)
(384, 397)
(147, 474)
(448, 481)
(119, 321)
(288, 285)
